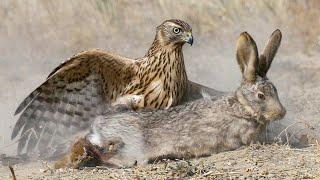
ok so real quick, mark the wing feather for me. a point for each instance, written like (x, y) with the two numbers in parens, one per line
(71, 97)
(26, 101)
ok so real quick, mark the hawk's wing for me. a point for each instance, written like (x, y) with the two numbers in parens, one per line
(197, 91)
(73, 95)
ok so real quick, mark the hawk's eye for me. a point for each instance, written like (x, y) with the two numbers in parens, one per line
(261, 96)
(176, 30)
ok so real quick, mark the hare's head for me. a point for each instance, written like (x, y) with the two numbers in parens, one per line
(256, 93)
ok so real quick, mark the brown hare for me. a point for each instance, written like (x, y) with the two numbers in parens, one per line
(194, 129)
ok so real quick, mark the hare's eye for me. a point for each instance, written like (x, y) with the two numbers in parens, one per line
(176, 30)
(261, 96)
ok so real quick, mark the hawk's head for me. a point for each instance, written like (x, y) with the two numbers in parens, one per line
(174, 31)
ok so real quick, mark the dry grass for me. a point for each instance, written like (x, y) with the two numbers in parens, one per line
(77, 24)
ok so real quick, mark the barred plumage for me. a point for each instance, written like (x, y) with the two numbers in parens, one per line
(84, 86)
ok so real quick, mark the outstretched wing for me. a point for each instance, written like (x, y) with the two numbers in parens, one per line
(72, 95)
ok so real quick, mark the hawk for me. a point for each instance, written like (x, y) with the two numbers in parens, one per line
(87, 84)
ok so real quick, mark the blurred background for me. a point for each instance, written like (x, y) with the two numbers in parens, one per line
(36, 35)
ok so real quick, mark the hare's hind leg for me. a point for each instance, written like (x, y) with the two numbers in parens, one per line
(85, 154)
(82, 154)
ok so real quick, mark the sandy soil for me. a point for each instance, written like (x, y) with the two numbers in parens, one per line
(256, 161)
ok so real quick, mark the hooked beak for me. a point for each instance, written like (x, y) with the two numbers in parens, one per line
(189, 39)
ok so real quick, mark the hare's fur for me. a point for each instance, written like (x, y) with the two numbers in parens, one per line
(219, 122)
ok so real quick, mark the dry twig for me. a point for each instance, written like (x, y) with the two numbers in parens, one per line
(12, 172)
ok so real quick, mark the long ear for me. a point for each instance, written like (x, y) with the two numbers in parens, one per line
(269, 52)
(247, 57)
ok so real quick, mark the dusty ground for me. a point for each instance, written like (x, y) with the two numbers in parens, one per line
(256, 161)
(35, 36)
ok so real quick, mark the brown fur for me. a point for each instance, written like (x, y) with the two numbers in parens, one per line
(83, 154)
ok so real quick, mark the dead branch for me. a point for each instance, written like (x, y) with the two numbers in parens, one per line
(12, 172)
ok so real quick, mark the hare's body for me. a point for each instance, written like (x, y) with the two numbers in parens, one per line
(218, 122)
(195, 129)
